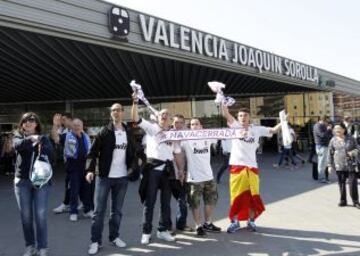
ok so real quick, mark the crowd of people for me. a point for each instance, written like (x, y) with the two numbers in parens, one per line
(179, 169)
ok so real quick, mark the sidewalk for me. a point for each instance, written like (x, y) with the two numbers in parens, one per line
(301, 218)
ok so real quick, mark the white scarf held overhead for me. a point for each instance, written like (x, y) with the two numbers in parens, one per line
(217, 88)
(204, 134)
(139, 94)
(286, 136)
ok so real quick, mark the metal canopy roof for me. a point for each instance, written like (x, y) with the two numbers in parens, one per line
(36, 67)
(63, 50)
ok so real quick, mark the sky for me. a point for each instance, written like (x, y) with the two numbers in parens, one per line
(321, 33)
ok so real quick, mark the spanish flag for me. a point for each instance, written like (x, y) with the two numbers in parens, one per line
(244, 192)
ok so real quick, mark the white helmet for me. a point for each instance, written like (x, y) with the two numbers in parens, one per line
(41, 174)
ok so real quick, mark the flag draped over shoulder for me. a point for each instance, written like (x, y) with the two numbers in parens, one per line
(244, 193)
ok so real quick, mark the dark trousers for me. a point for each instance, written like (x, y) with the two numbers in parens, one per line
(103, 186)
(179, 193)
(286, 152)
(353, 185)
(79, 188)
(223, 168)
(67, 190)
(157, 180)
(8, 163)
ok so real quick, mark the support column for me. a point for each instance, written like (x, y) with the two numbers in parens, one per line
(193, 107)
(68, 106)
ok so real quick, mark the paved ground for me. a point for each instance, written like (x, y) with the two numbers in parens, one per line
(301, 218)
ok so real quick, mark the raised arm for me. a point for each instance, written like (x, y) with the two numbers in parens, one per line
(275, 129)
(134, 109)
(56, 126)
(179, 158)
(225, 112)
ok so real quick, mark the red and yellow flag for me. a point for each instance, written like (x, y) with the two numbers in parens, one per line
(244, 193)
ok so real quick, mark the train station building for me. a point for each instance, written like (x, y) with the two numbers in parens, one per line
(79, 56)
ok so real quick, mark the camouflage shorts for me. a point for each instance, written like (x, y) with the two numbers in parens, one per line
(206, 190)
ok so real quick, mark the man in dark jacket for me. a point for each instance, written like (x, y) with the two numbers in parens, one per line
(322, 134)
(115, 148)
(350, 128)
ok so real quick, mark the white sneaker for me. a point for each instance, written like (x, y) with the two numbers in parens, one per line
(165, 235)
(80, 206)
(61, 208)
(94, 248)
(118, 242)
(145, 238)
(89, 214)
(30, 251)
(73, 217)
(43, 252)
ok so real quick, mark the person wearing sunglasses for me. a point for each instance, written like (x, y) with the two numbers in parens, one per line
(32, 201)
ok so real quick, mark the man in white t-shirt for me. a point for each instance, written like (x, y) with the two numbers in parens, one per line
(114, 145)
(200, 179)
(178, 188)
(246, 203)
(156, 175)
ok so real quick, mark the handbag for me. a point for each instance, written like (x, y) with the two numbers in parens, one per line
(41, 171)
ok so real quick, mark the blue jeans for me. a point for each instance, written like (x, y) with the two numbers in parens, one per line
(103, 186)
(286, 152)
(32, 201)
(322, 154)
(182, 211)
(79, 187)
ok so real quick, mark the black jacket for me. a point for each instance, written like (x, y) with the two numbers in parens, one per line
(103, 147)
(322, 135)
(24, 150)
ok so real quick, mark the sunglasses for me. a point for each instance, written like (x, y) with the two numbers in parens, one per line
(29, 119)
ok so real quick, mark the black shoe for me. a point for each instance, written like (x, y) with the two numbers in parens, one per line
(200, 231)
(357, 205)
(211, 228)
(186, 229)
(342, 204)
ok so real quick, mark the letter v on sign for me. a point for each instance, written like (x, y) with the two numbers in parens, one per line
(147, 29)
